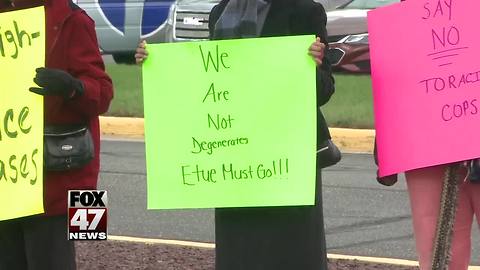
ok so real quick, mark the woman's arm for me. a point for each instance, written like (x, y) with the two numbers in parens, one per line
(86, 64)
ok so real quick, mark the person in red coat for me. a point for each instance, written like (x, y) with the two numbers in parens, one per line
(76, 90)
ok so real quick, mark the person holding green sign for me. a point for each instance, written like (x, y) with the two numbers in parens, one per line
(275, 238)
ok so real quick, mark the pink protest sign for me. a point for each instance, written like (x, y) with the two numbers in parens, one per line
(425, 58)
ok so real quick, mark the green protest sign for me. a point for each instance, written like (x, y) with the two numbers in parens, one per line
(230, 123)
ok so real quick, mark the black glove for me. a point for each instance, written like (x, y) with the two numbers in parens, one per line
(55, 82)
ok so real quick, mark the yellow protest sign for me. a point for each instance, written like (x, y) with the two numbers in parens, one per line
(22, 50)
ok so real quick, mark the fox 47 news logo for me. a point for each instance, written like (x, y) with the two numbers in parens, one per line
(87, 215)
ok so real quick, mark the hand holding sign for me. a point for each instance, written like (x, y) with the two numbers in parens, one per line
(141, 52)
(317, 51)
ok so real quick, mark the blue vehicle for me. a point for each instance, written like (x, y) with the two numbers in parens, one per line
(120, 24)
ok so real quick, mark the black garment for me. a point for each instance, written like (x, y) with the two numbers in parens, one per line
(279, 238)
(43, 245)
(271, 238)
(297, 17)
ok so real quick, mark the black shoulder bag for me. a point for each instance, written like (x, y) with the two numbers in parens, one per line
(67, 147)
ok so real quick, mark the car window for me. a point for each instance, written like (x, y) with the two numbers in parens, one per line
(368, 4)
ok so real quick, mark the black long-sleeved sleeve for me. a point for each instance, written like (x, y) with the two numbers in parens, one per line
(325, 80)
(214, 15)
(310, 18)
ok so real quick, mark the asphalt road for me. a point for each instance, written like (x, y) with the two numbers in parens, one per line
(361, 216)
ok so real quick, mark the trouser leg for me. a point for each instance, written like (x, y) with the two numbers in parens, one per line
(12, 249)
(46, 244)
(425, 187)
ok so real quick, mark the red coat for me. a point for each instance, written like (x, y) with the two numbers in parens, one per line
(71, 45)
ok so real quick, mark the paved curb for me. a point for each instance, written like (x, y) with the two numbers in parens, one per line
(348, 140)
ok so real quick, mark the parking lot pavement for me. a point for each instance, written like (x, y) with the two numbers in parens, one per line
(362, 217)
